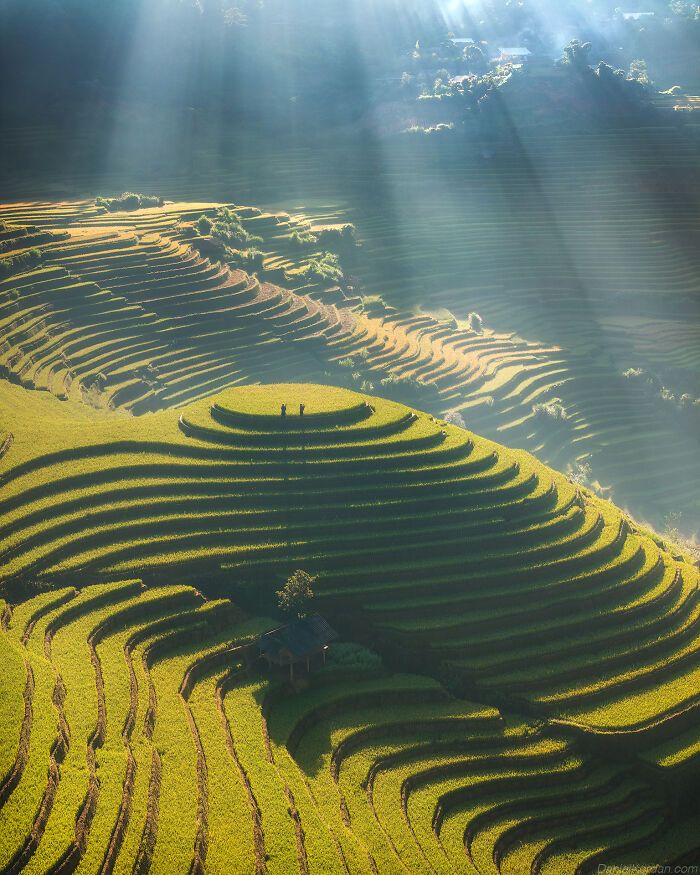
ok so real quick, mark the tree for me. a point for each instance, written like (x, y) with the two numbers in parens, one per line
(576, 55)
(454, 417)
(474, 58)
(204, 225)
(476, 323)
(295, 595)
(639, 72)
(672, 523)
(325, 267)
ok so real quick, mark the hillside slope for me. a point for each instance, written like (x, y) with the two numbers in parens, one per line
(138, 735)
(138, 727)
(477, 562)
(123, 312)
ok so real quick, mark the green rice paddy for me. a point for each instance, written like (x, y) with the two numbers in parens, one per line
(537, 708)
(140, 734)
(576, 252)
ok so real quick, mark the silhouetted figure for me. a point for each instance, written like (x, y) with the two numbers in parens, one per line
(284, 411)
(302, 408)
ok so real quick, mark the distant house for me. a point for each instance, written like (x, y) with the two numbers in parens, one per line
(637, 16)
(462, 41)
(298, 641)
(514, 54)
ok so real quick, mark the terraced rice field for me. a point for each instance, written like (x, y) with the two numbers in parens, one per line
(185, 326)
(123, 313)
(537, 708)
(489, 568)
(586, 243)
(138, 735)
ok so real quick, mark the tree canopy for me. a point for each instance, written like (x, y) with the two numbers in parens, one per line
(296, 594)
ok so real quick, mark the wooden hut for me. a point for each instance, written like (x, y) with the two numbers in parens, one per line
(298, 641)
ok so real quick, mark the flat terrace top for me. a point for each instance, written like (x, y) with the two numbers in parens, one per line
(326, 402)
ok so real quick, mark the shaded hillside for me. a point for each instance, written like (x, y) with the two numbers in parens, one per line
(123, 310)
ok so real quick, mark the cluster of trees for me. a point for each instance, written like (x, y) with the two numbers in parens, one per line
(669, 41)
(322, 269)
(224, 237)
(287, 62)
(572, 89)
(227, 227)
(631, 84)
(129, 200)
(685, 403)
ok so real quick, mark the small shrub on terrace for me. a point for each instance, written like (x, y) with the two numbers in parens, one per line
(252, 258)
(553, 410)
(303, 238)
(343, 235)
(454, 417)
(672, 522)
(325, 268)
(580, 472)
(352, 657)
(129, 200)
(476, 323)
(204, 225)
(228, 228)
(639, 71)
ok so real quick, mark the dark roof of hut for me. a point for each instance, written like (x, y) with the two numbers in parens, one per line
(300, 638)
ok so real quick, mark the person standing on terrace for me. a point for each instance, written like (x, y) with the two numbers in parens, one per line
(302, 408)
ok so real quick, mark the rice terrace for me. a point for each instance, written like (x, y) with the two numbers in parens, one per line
(349, 437)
